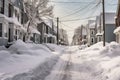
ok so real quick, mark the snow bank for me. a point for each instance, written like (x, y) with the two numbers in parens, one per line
(101, 62)
(117, 30)
(23, 57)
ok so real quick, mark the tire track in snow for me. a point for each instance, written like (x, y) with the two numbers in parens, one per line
(67, 75)
(38, 73)
(61, 70)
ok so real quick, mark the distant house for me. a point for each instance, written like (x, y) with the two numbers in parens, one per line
(63, 37)
(34, 33)
(84, 34)
(80, 36)
(11, 19)
(117, 22)
(109, 26)
(91, 32)
(99, 33)
(46, 28)
(77, 37)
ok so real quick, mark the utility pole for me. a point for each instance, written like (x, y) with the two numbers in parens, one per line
(103, 3)
(57, 30)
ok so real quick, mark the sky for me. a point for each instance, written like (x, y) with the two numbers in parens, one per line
(78, 12)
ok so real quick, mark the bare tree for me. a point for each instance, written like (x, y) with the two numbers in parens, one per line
(36, 9)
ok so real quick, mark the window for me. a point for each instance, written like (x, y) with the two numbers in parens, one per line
(16, 36)
(10, 10)
(92, 32)
(99, 38)
(5, 30)
(92, 40)
(2, 6)
(0, 29)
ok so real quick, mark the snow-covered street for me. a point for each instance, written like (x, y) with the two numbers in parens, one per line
(54, 62)
(93, 63)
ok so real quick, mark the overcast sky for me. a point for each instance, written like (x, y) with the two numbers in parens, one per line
(73, 11)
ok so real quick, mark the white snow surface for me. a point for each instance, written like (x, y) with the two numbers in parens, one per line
(117, 30)
(98, 62)
(92, 25)
(99, 33)
(34, 30)
(22, 57)
(86, 63)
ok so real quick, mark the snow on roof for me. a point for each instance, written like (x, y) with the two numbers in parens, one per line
(92, 25)
(47, 21)
(84, 31)
(34, 30)
(11, 20)
(117, 29)
(99, 33)
(50, 35)
(15, 21)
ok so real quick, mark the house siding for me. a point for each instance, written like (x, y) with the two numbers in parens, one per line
(109, 35)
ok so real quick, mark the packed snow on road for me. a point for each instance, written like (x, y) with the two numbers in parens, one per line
(29, 61)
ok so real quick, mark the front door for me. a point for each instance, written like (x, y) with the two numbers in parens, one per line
(9, 36)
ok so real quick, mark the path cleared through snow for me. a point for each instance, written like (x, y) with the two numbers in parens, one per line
(67, 68)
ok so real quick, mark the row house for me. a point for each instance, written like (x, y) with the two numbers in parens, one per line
(84, 34)
(91, 32)
(117, 22)
(11, 20)
(14, 25)
(109, 26)
(77, 38)
(80, 36)
(63, 38)
(95, 28)
(99, 33)
(47, 30)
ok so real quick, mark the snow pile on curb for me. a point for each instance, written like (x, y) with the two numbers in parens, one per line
(102, 63)
(23, 57)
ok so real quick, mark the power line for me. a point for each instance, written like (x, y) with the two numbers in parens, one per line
(62, 2)
(66, 25)
(95, 8)
(78, 19)
(77, 11)
(83, 18)
(71, 2)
